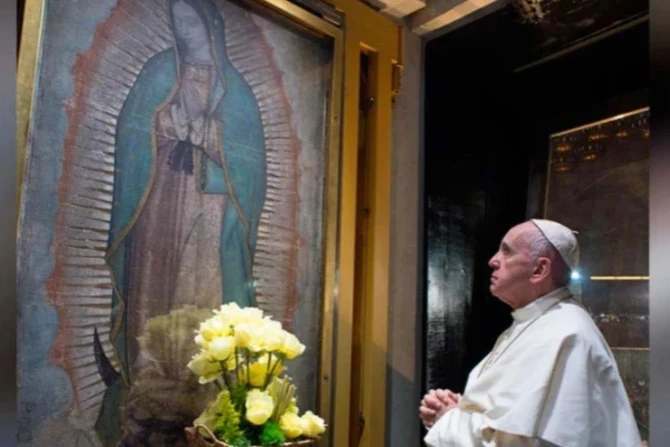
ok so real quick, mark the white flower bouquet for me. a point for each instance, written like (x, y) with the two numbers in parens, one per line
(244, 353)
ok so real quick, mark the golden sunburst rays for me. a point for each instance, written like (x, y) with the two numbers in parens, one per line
(275, 261)
(81, 286)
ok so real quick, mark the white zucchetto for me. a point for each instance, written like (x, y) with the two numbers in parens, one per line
(562, 238)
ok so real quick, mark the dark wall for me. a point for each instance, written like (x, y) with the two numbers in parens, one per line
(486, 136)
(475, 180)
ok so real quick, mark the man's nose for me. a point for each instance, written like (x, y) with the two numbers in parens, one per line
(493, 262)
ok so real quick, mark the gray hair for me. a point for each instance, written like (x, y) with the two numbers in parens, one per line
(540, 247)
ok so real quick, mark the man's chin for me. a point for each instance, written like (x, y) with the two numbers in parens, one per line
(498, 297)
(496, 293)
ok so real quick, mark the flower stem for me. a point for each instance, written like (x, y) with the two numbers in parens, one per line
(237, 365)
(268, 373)
(270, 370)
(226, 379)
(248, 370)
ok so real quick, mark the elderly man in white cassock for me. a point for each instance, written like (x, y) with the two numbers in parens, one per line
(551, 379)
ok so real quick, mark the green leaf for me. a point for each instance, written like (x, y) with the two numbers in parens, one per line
(224, 420)
(239, 397)
(272, 434)
(239, 442)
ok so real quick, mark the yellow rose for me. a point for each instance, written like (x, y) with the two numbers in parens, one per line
(274, 337)
(270, 325)
(313, 425)
(250, 315)
(258, 371)
(212, 328)
(231, 364)
(293, 406)
(229, 309)
(243, 335)
(257, 374)
(249, 337)
(203, 365)
(200, 341)
(220, 326)
(258, 415)
(229, 313)
(291, 424)
(292, 347)
(221, 348)
(259, 407)
(206, 331)
(275, 365)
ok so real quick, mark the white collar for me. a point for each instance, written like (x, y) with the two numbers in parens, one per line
(541, 305)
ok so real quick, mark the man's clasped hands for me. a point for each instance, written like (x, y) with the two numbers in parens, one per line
(435, 404)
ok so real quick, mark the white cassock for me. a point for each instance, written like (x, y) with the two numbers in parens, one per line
(551, 380)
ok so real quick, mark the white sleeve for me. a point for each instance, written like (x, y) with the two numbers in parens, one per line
(459, 428)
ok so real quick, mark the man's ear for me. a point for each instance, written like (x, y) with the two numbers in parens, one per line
(542, 270)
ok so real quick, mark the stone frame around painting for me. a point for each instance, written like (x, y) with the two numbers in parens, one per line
(320, 20)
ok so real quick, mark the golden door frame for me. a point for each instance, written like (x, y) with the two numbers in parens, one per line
(379, 38)
(368, 32)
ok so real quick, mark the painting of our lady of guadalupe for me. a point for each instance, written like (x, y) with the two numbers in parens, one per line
(176, 163)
